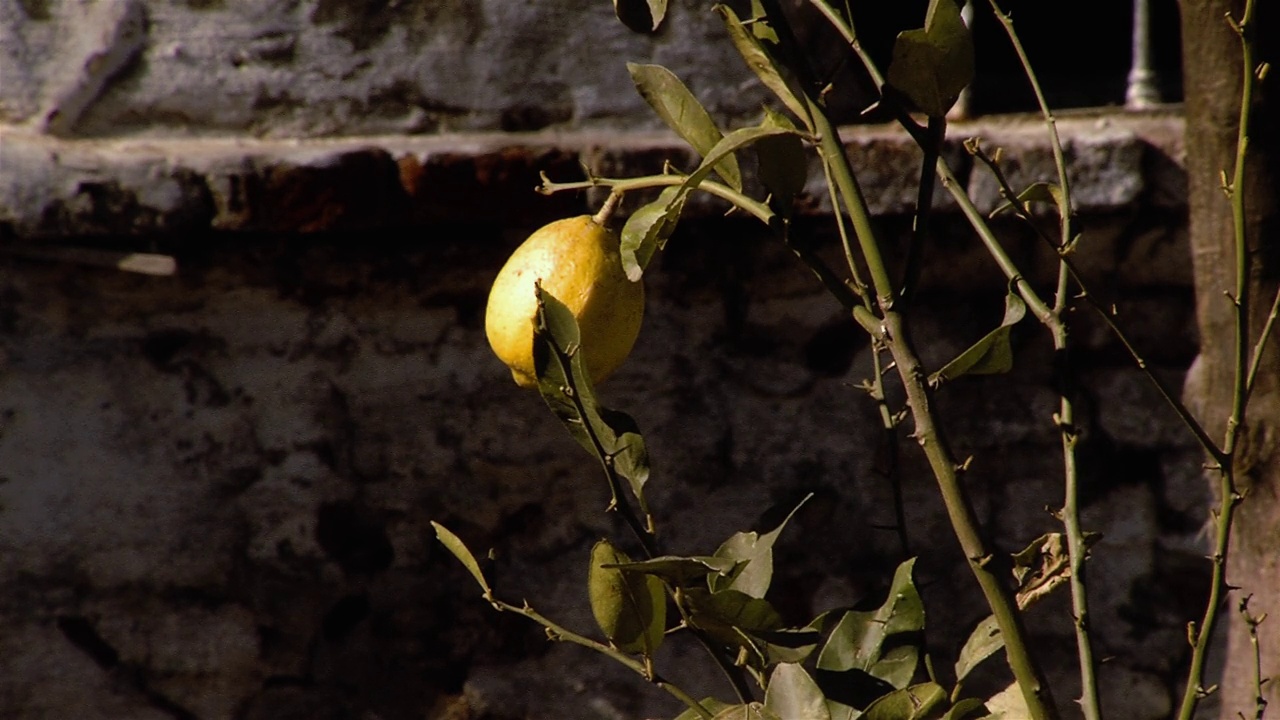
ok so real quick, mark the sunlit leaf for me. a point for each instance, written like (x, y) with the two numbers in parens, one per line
(459, 549)
(793, 695)
(983, 642)
(991, 355)
(1039, 192)
(762, 63)
(642, 16)
(630, 608)
(931, 65)
(754, 553)
(568, 391)
(648, 228)
(713, 705)
(748, 711)
(968, 708)
(682, 112)
(911, 703)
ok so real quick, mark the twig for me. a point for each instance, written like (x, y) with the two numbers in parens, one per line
(559, 633)
(1229, 496)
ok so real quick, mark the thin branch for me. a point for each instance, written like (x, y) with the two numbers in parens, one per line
(559, 633)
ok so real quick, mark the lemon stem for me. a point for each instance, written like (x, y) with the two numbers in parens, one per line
(606, 210)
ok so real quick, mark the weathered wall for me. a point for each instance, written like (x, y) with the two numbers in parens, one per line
(216, 487)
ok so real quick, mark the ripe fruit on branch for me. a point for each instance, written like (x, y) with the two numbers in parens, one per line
(576, 260)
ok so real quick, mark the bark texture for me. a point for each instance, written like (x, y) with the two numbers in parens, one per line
(1213, 74)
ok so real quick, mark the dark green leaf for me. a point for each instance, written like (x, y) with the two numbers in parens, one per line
(783, 165)
(454, 544)
(648, 228)
(761, 62)
(1040, 192)
(754, 553)
(682, 112)
(731, 608)
(788, 644)
(630, 608)
(858, 640)
(567, 390)
(912, 703)
(991, 355)
(983, 642)
(713, 705)
(642, 16)
(933, 64)
(793, 695)
(679, 570)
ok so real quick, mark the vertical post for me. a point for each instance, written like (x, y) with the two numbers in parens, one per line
(1141, 94)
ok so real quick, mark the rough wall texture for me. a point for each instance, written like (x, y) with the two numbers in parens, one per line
(216, 486)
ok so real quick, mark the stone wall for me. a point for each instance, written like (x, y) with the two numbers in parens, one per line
(216, 485)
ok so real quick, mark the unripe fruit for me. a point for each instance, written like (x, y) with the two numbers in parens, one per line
(577, 261)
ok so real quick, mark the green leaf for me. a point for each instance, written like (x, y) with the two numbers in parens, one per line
(631, 609)
(911, 703)
(931, 65)
(642, 16)
(858, 640)
(682, 112)
(454, 544)
(967, 708)
(983, 642)
(1009, 704)
(791, 645)
(754, 553)
(731, 608)
(648, 228)
(679, 570)
(567, 390)
(793, 695)
(1040, 192)
(748, 43)
(991, 355)
(782, 164)
(748, 711)
(713, 705)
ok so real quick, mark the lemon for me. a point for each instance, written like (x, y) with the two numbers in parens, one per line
(576, 260)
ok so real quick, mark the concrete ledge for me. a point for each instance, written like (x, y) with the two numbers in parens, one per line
(53, 188)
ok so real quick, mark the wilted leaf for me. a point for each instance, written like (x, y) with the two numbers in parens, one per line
(754, 553)
(983, 642)
(931, 65)
(630, 608)
(1043, 566)
(762, 63)
(793, 695)
(682, 112)
(454, 545)
(991, 355)
(642, 16)
(567, 390)
(912, 703)
(679, 570)
(1040, 192)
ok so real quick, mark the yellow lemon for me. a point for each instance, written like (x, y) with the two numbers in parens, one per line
(576, 260)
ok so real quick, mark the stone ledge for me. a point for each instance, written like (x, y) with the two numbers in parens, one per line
(53, 188)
